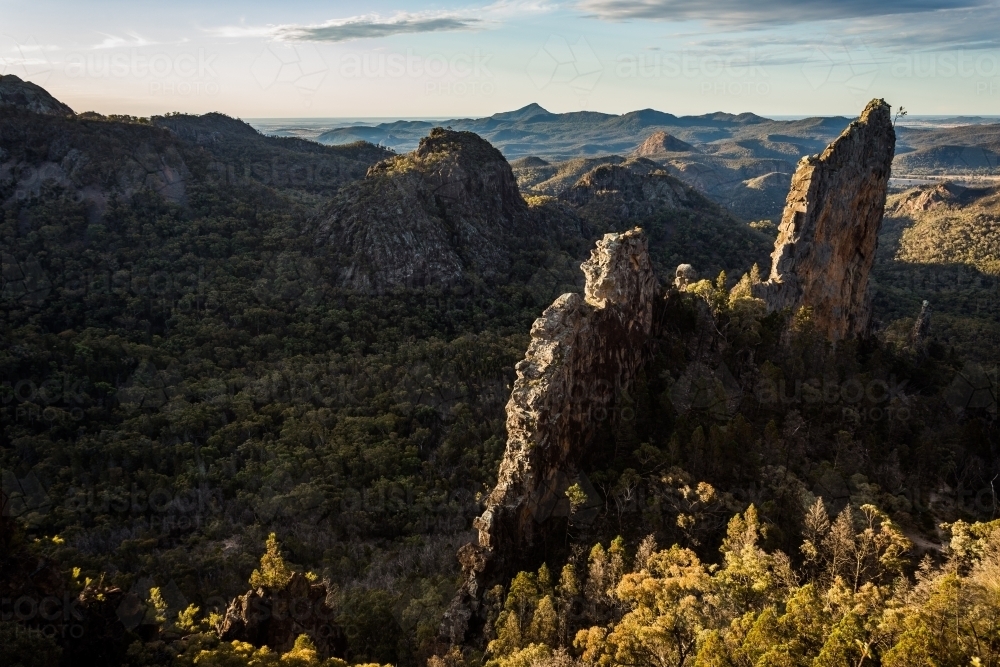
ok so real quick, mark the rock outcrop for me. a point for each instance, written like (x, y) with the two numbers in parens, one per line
(921, 328)
(945, 195)
(15, 92)
(829, 230)
(275, 618)
(628, 192)
(659, 144)
(426, 218)
(584, 351)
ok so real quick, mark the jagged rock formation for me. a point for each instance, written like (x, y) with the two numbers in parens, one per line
(26, 95)
(829, 230)
(921, 328)
(427, 217)
(627, 192)
(684, 276)
(658, 144)
(932, 197)
(584, 350)
(275, 618)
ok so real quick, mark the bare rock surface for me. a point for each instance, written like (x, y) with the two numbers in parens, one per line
(427, 217)
(584, 351)
(18, 93)
(275, 618)
(829, 230)
(660, 143)
(628, 192)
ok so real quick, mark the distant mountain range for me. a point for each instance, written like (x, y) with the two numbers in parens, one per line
(743, 161)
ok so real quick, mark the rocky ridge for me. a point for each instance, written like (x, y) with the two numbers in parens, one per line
(276, 617)
(26, 95)
(660, 143)
(829, 230)
(427, 217)
(628, 193)
(584, 351)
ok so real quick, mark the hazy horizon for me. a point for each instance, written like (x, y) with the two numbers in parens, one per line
(410, 59)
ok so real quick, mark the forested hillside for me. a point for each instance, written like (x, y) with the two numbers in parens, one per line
(215, 376)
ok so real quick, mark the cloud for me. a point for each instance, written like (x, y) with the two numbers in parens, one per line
(114, 41)
(369, 27)
(969, 29)
(777, 12)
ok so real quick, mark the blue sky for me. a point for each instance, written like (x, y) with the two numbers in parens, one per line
(417, 59)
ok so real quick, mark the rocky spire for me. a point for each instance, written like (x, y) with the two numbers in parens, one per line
(921, 328)
(584, 351)
(829, 230)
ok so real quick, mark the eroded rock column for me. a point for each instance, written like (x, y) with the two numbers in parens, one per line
(584, 351)
(829, 229)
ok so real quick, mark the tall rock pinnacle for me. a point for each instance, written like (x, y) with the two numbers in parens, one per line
(584, 351)
(829, 229)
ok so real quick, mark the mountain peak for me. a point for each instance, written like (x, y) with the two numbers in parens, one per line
(16, 92)
(524, 113)
(427, 217)
(659, 143)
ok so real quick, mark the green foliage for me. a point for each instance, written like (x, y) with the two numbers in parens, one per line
(273, 572)
(672, 609)
(22, 646)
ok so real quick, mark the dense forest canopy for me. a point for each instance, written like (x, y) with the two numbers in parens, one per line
(192, 404)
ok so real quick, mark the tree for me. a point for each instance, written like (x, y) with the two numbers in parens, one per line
(273, 572)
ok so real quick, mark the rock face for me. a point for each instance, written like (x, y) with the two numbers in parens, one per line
(628, 192)
(427, 217)
(930, 198)
(829, 230)
(17, 93)
(584, 351)
(659, 144)
(921, 328)
(275, 618)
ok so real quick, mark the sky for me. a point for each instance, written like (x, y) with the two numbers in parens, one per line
(408, 59)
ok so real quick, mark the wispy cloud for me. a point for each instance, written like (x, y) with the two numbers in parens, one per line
(356, 27)
(114, 41)
(786, 30)
(371, 26)
(366, 27)
(740, 12)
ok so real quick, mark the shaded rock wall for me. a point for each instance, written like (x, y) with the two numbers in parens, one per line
(584, 351)
(275, 618)
(829, 230)
(427, 217)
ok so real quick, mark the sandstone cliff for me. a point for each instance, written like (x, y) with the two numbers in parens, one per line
(584, 351)
(829, 230)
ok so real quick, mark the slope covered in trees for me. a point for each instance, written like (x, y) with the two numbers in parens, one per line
(183, 372)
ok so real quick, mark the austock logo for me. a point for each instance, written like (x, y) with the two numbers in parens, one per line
(49, 615)
(29, 498)
(560, 63)
(974, 387)
(848, 63)
(861, 399)
(302, 66)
